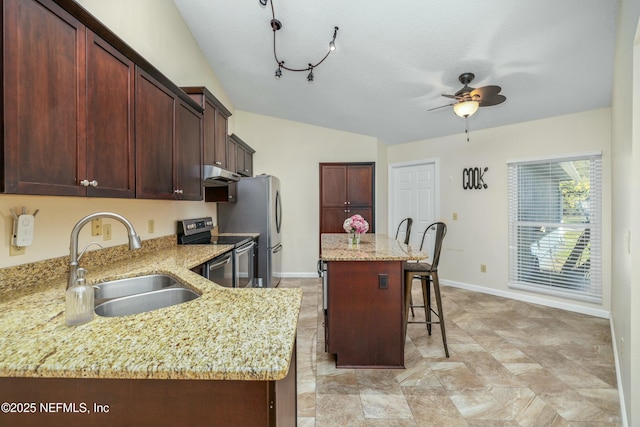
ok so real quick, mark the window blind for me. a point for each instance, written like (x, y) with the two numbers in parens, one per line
(555, 226)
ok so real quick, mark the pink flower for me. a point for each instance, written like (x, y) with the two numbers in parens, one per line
(355, 224)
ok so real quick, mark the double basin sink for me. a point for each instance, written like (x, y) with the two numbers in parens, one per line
(140, 294)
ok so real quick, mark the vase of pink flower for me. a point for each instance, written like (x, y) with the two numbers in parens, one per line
(355, 225)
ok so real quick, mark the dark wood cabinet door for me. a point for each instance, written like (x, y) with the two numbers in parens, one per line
(215, 118)
(241, 155)
(188, 153)
(333, 186)
(44, 99)
(232, 155)
(332, 220)
(209, 132)
(360, 185)
(220, 132)
(155, 113)
(110, 120)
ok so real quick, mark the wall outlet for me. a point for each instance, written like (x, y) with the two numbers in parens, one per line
(483, 268)
(454, 216)
(16, 250)
(151, 226)
(107, 232)
(96, 227)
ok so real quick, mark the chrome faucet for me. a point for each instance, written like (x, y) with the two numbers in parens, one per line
(134, 240)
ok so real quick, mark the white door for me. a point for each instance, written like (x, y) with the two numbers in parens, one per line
(413, 189)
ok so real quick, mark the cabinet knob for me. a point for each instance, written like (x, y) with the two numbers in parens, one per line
(87, 183)
(219, 163)
(178, 191)
(348, 203)
(345, 203)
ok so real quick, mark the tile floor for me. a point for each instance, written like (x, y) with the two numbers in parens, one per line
(511, 364)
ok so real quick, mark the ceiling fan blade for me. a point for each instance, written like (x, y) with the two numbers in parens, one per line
(494, 100)
(486, 92)
(442, 106)
(450, 96)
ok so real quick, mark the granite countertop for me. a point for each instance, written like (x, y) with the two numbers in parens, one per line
(372, 247)
(225, 334)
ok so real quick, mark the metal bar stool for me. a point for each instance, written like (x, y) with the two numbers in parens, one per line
(427, 273)
(409, 222)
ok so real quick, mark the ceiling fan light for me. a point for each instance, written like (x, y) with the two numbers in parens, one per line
(466, 108)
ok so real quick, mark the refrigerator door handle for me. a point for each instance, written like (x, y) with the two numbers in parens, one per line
(277, 249)
(278, 212)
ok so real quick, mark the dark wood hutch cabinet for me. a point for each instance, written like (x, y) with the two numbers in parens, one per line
(346, 189)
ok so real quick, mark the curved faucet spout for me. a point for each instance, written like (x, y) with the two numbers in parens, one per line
(134, 239)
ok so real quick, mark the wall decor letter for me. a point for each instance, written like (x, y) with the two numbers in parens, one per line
(473, 178)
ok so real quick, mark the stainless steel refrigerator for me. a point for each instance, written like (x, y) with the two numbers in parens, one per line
(258, 210)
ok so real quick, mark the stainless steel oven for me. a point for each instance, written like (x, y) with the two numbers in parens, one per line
(220, 270)
(244, 264)
(236, 268)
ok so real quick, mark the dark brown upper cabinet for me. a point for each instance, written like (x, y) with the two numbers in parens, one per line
(346, 189)
(215, 125)
(68, 108)
(244, 156)
(168, 143)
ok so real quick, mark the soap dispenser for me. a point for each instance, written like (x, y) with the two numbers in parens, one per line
(79, 301)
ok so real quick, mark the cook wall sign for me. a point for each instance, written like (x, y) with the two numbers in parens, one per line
(473, 178)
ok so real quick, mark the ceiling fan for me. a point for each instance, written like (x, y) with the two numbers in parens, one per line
(469, 99)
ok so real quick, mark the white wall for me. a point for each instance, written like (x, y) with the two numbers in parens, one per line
(626, 207)
(155, 29)
(479, 236)
(292, 151)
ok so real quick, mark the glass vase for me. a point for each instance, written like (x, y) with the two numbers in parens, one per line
(354, 239)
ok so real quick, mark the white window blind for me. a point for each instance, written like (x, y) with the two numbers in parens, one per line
(555, 226)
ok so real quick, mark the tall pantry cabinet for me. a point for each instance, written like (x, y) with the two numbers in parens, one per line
(346, 189)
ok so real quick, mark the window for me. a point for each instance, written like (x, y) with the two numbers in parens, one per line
(555, 226)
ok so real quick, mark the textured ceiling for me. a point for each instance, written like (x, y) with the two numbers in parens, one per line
(394, 60)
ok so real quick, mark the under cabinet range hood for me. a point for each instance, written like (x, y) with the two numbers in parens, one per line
(215, 176)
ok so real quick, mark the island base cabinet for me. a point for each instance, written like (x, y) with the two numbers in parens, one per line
(132, 402)
(364, 314)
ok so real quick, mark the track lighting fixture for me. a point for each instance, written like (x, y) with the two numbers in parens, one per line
(277, 25)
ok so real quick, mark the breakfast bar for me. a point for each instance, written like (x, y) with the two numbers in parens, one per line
(363, 299)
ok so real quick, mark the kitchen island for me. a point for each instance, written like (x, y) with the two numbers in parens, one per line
(363, 299)
(225, 358)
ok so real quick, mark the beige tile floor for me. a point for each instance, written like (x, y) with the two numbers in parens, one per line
(511, 364)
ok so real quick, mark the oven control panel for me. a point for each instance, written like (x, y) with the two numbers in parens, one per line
(187, 227)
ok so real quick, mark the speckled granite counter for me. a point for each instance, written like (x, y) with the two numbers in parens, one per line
(225, 334)
(372, 247)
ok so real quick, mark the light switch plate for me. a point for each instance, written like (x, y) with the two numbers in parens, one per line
(107, 232)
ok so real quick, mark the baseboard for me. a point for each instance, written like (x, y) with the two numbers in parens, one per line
(623, 410)
(300, 275)
(530, 298)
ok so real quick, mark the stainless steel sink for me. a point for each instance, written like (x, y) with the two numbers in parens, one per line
(134, 285)
(144, 302)
(140, 294)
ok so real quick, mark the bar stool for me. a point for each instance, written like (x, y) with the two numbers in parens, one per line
(409, 222)
(428, 274)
